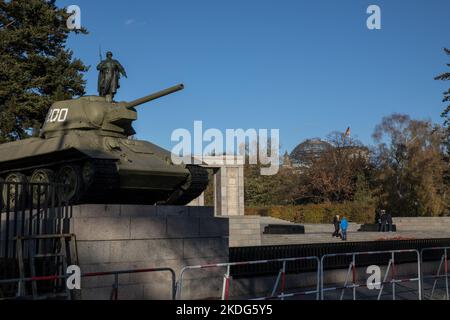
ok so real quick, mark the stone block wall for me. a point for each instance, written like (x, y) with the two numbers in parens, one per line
(118, 237)
(245, 231)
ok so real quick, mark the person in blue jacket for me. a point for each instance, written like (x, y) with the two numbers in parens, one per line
(344, 226)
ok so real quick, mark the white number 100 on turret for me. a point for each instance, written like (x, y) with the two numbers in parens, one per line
(57, 115)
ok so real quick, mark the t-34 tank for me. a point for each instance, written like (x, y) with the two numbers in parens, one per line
(85, 144)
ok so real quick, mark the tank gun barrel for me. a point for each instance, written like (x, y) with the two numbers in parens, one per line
(155, 95)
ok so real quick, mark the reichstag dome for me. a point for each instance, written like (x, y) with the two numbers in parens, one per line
(305, 152)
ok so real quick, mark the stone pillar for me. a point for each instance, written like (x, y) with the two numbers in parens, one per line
(228, 184)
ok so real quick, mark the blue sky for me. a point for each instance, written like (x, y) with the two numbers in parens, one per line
(306, 67)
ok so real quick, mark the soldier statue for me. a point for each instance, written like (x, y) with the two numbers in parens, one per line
(108, 77)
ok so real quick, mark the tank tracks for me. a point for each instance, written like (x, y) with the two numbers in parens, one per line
(106, 186)
(196, 185)
(103, 183)
(100, 183)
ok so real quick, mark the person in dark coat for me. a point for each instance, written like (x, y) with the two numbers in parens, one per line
(389, 221)
(337, 224)
(378, 219)
(383, 220)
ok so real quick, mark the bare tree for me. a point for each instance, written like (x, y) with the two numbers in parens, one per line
(410, 166)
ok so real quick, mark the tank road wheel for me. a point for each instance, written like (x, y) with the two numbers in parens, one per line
(196, 183)
(88, 173)
(42, 193)
(71, 178)
(14, 190)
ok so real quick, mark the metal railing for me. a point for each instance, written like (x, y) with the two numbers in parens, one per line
(352, 270)
(115, 286)
(443, 262)
(29, 209)
(279, 282)
(37, 211)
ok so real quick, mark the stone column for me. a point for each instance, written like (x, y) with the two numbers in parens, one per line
(228, 185)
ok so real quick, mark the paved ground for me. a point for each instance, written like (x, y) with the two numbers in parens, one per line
(403, 291)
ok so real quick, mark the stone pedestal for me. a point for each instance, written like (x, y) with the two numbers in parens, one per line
(117, 237)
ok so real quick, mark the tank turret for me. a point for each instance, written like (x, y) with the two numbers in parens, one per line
(95, 113)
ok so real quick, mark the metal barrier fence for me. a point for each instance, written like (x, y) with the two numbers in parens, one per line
(280, 278)
(279, 288)
(352, 269)
(237, 254)
(29, 209)
(443, 262)
(115, 286)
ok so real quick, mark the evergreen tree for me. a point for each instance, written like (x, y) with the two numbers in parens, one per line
(446, 113)
(446, 116)
(36, 69)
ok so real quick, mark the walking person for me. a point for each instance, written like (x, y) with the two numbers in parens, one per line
(344, 226)
(389, 221)
(336, 223)
(383, 220)
(378, 219)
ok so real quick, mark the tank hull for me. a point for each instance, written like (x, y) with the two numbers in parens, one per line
(123, 171)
